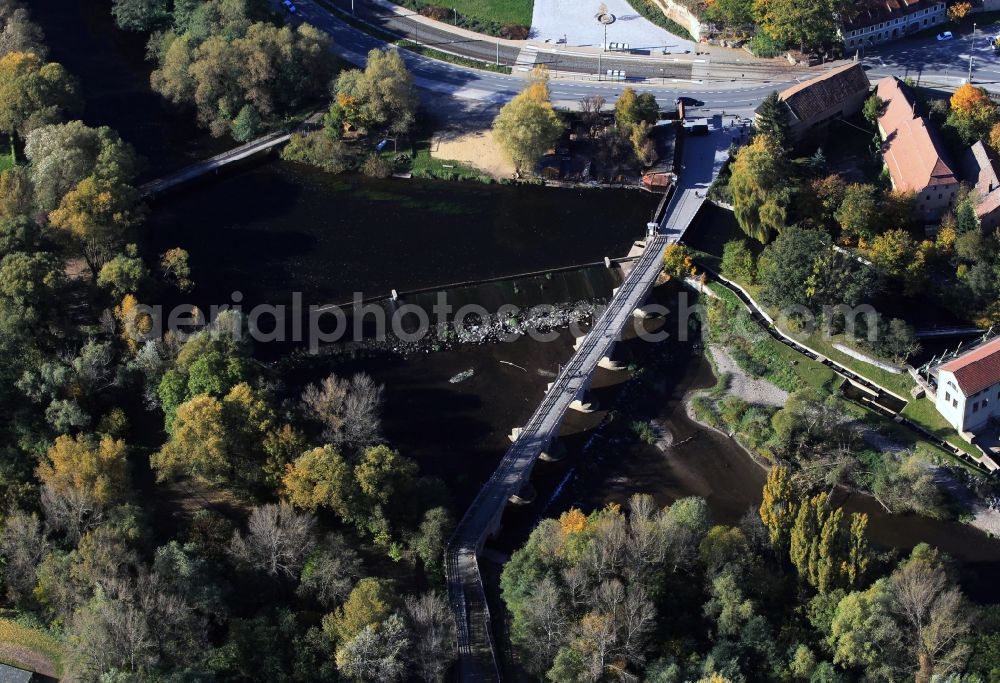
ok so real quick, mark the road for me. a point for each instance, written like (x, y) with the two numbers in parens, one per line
(483, 90)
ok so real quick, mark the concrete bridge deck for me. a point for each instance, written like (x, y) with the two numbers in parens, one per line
(196, 170)
(703, 157)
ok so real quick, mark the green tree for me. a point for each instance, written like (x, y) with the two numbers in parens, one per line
(33, 93)
(873, 109)
(760, 187)
(140, 15)
(381, 96)
(122, 275)
(772, 120)
(632, 109)
(247, 124)
(858, 214)
(864, 633)
(737, 262)
(527, 126)
(370, 603)
(800, 24)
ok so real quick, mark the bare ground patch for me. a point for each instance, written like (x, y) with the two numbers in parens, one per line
(473, 148)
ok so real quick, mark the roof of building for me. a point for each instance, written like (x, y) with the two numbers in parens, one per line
(12, 674)
(912, 149)
(809, 99)
(884, 10)
(979, 167)
(977, 369)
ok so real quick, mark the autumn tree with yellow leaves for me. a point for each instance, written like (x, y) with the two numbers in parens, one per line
(528, 125)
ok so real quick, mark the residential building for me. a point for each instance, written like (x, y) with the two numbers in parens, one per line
(813, 104)
(913, 151)
(981, 169)
(968, 388)
(886, 20)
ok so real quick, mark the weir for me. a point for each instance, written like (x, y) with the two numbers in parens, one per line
(703, 157)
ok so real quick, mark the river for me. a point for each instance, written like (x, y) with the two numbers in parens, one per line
(269, 229)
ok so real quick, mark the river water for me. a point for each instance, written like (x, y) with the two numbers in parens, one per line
(270, 229)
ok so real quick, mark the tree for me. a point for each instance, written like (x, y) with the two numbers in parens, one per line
(893, 252)
(995, 137)
(197, 444)
(759, 183)
(33, 93)
(81, 478)
(122, 275)
(16, 193)
(873, 109)
(175, 267)
(527, 126)
(381, 96)
(319, 149)
(433, 627)
(369, 604)
(864, 633)
(772, 120)
(733, 13)
(140, 15)
(319, 478)
(18, 33)
(347, 410)
(95, 215)
(376, 653)
(247, 124)
(738, 262)
(330, 571)
(22, 546)
(632, 109)
(814, 542)
(973, 113)
(677, 261)
(802, 24)
(779, 508)
(277, 541)
(959, 11)
(935, 613)
(858, 214)
(429, 541)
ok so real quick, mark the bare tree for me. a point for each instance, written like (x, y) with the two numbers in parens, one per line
(349, 411)
(73, 510)
(935, 611)
(277, 540)
(376, 653)
(330, 572)
(433, 628)
(22, 545)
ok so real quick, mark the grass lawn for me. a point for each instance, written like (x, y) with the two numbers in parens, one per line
(486, 16)
(30, 648)
(426, 166)
(900, 384)
(6, 161)
(923, 413)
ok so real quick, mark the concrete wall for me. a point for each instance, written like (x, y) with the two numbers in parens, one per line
(683, 16)
(932, 201)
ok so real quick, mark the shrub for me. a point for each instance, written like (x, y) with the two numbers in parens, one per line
(515, 32)
(376, 166)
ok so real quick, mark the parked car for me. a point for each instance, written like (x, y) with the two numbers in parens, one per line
(947, 35)
(689, 102)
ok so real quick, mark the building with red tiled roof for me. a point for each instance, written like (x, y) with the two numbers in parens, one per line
(835, 94)
(968, 387)
(981, 168)
(885, 20)
(913, 151)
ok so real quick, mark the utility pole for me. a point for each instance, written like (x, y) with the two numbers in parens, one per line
(970, 69)
(498, 53)
(455, 9)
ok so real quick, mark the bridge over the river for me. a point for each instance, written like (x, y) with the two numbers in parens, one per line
(702, 158)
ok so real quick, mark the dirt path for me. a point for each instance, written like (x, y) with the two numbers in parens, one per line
(474, 148)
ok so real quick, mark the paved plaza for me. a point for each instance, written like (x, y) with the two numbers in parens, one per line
(576, 22)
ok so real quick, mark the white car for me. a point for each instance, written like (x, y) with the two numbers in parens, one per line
(945, 36)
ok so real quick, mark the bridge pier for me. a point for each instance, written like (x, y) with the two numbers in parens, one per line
(555, 452)
(608, 363)
(525, 496)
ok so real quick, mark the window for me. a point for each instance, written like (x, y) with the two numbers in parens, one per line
(954, 403)
(940, 195)
(947, 397)
(975, 407)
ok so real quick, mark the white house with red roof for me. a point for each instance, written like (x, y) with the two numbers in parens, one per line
(968, 388)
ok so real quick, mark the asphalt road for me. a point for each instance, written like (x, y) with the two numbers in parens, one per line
(482, 92)
(722, 86)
